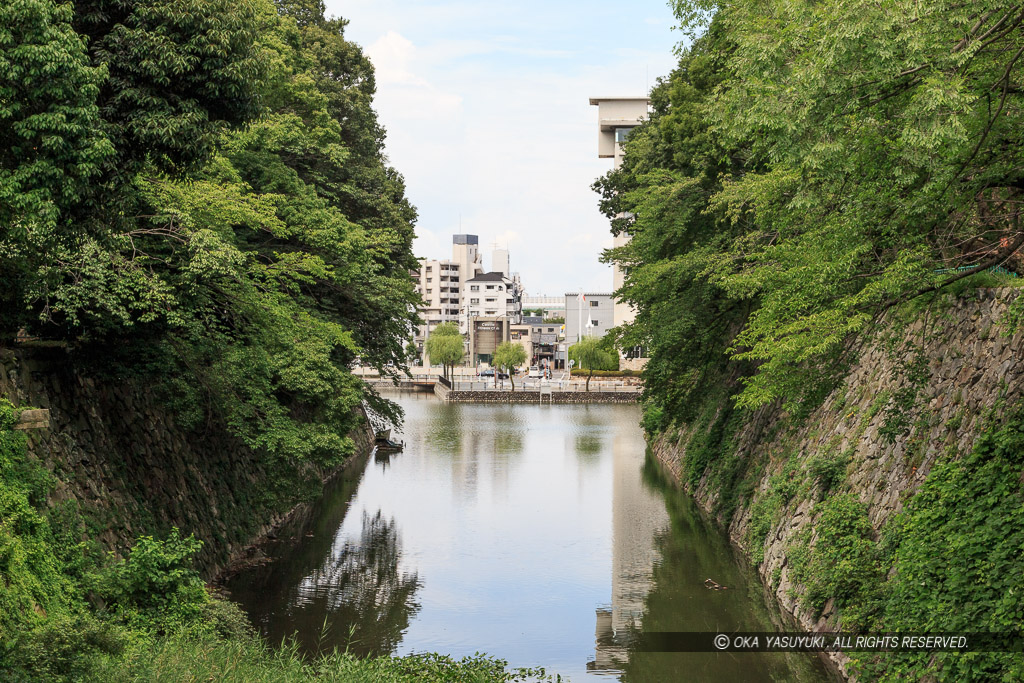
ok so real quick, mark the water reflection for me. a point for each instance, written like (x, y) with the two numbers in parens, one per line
(527, 532)
(638, 516)
(362, 590)
(691, 550)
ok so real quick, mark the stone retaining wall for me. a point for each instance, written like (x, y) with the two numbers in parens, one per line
(116, 454)
(972, 368)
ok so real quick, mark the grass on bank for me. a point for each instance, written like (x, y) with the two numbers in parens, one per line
(72, 613)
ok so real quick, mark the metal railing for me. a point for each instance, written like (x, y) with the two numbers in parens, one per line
(535, 385)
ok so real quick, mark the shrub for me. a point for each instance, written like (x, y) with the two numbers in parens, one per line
(156, 585)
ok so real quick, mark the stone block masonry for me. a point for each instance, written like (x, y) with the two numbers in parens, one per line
(559, 397)
(117, 454)
(972, 366)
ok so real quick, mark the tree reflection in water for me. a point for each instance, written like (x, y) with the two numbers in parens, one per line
(360, 593)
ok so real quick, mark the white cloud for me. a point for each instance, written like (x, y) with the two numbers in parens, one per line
(487, 113)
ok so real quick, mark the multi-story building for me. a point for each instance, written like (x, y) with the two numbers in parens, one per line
(466, 253)
(617, 117)
(589, 315)
(441, 285)
(492, 295)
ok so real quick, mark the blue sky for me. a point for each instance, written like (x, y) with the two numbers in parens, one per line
(486, 108)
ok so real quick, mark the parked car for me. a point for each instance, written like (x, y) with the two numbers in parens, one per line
(535, 372)
(489, 372)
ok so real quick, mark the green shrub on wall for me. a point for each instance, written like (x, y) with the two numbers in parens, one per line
(842, 562)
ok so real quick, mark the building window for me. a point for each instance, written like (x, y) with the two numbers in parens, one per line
(474, 301)
(430, 279)
(428, 268)
(593, 304)
(474, 288)
(500, 288)
(597, 323)
(622, 134)
(491, 300)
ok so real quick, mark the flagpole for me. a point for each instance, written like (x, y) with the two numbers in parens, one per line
(579, 317)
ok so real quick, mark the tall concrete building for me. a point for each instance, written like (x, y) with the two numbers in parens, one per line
(441, 284)
(499, 262)
(466, 253)
(617, 117)
(492, 295)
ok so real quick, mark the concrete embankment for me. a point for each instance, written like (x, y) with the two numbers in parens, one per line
(534, 396)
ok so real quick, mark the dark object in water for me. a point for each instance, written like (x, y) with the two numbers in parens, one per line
(389, 446)
(714, 585)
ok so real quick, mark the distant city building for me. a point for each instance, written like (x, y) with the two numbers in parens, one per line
(499, 262)
(485, 334)
(553, 306)
(466, 252)
(545, 338)
(441, 284)
(589, 316)
(492, 295)
(617, 117)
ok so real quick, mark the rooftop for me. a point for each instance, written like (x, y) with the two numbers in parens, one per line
(598, 100)
(488, 277)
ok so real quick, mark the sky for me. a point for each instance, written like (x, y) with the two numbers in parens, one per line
(487, 116)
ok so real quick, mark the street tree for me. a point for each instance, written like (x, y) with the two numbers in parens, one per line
(508, 356)
(589, 354)
(445, 346)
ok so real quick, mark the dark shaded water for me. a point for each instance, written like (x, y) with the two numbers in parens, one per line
(538, 534)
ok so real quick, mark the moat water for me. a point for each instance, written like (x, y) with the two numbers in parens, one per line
(542, 535)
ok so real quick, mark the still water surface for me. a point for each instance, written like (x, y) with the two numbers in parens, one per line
(537, 534)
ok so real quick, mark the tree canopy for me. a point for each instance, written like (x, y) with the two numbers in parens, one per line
(806, 168)
(509, 356)
(197, 191)
(592, 354)
(445, 346)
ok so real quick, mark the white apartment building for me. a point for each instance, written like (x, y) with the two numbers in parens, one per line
(617, 117)
(492, 295)
(441, 283)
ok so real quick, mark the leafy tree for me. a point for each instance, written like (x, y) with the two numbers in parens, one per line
(241, 268)
(445, 346)
(509, 356)
(52, 146)
(885, 150)
(590, 355)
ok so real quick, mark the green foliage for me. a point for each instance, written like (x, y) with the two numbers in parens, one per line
(509, 356)
(806, 169)
(591, 354)
(957, 558)
(240, 269)
(605, 373)
(250, 660)
(155, 586)
(842, 562)
(828, 469)
(33, 584)
(445, 346)
(51, 143)
(768, 508)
